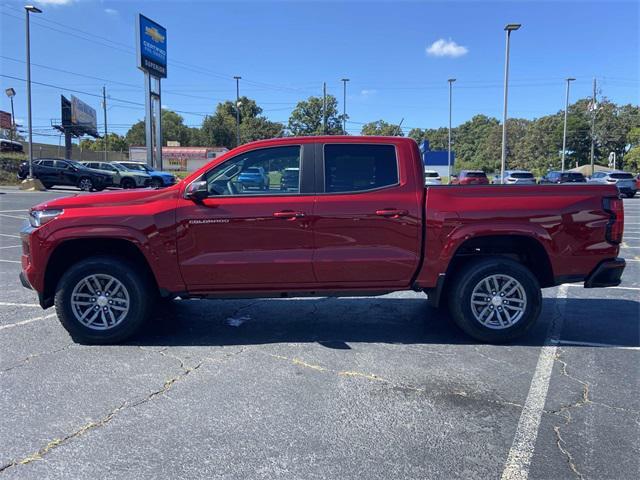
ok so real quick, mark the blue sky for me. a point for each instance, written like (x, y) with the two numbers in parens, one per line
(285, 50)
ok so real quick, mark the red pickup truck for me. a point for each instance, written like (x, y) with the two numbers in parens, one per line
(359, 222)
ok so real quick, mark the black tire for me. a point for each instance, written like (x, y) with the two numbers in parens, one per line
(47, 185)
(100, 188)
(85, 184)
(472, 275)
(156, 182)
(137, 286)
(127, 183)
(631, 195)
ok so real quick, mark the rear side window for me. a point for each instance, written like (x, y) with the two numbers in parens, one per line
(522, 175)
(431, 174)
(475, 175)
(621, 176)
(46, 163)
(356, 167)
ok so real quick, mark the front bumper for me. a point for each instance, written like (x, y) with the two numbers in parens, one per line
(607, 274)
(25, 281)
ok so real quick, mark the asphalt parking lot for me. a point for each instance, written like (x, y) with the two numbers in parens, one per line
(375, 388)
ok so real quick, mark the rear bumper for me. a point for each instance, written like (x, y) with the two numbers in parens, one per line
(607, 274)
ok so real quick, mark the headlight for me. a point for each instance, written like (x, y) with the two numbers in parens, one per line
(38, 218)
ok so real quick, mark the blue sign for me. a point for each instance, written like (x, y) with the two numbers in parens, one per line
(152, 47)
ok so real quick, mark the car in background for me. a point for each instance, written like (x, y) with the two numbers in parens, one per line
(54, 171)
(290, 179)
(121, 176)
(624, 181)
(470, 177)
(10, 146)
(431, 177)
(557, 176)
(158, 177)
(638, 182)
(516, 177)
(253, 177)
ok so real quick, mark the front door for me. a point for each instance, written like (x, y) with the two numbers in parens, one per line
(367, 218)
(249, 234)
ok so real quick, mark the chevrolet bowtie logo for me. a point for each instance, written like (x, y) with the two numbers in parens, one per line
(154, 34)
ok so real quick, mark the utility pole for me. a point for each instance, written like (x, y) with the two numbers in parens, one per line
(509, 28)
(344, 106)
(451, 80)
(104, 111)
(29, 9)
(564, 132)
(594, 109)
(237, 110)
(324, 108)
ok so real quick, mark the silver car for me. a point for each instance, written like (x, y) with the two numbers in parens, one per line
(517, 177)
(624, 181)
(121, 176)
(431, 177)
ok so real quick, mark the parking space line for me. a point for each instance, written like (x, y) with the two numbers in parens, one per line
(524, 441)
(579, 285)
(12, 216)
(11, 246)
(596, 344)
(10, 261)
(13, 211)
(7, 235)
(10, 304)
(25, 322)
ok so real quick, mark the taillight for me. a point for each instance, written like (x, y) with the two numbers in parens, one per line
(615, 208)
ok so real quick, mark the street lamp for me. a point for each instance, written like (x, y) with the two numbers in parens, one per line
(511, 27)
(451, 80)
(564, 132)
(29, 9)
(344, 106)
(237, 110)
(12, 93)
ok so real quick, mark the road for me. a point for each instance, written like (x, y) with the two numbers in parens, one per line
(374, 388)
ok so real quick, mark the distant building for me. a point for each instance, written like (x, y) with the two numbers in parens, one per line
(436, 159)
(187, 159)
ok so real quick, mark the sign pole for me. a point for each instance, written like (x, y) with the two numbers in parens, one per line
(148, 131)
(158, 118)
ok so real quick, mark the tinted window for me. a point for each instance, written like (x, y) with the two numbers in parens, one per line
(621, 176)
(521, 175)
(47, 163)
(430, 174)
(227, 178)
(475, 174)
(61, 164)
(352, 168)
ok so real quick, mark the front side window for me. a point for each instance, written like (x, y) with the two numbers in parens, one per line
(358, 167)
(258, 172)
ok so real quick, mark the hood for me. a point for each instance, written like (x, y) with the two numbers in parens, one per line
(109, 199)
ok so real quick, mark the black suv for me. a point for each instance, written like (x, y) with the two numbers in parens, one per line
(563, 177)
(52, 171)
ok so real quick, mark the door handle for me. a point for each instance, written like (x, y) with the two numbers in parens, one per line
(391, 212)
(288, 214)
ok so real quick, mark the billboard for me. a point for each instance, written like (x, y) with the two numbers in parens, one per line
(151, 40)
(5, 120)
(78, 117)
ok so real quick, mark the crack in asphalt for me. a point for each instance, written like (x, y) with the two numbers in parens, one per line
(126, 405)
(28, 358)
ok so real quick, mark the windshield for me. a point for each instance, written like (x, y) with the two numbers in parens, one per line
(75, 164)
(572, 175)
(621, 176)
(118, 167)
(521, 175)
(252, 170)
(431, 174)
(475, 174)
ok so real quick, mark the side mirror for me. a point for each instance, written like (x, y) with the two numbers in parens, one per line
(197, 191)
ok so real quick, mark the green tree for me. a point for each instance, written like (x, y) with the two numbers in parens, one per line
(259, 128)
(438, 137)
(115, 143)
(380, 127)
(173, 129)
(307, 118)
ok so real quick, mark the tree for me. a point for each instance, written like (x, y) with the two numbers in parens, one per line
(438, 137)
(307, 118)
(380, 127)
(259, 128)
(173, 129)
(115, 143)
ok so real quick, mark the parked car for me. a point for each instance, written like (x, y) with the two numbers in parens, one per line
(53, 171)
(254, 177)
(158, 177)
(624, 181)
(121, 176)
(516, 177)
(431, 177)
(470, 177)
(363, 223)
(290, 179)
(10, 146)
(638, 182)
(562, 177)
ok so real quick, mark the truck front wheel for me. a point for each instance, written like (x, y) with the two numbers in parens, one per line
(102, 300)
(495, 299)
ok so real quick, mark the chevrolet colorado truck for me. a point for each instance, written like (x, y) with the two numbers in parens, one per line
(359, 222)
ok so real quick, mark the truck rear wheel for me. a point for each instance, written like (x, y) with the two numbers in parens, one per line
(495, 299)
(102, 300)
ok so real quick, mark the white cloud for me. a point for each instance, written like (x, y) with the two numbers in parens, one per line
(368, 92)
(54, 2)
(444, 48)
(111, 11)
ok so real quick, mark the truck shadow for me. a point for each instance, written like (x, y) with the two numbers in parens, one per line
(336, 323)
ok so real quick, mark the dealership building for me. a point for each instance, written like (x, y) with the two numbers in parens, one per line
(437, 160)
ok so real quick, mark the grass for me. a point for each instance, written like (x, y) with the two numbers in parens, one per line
(9, 163)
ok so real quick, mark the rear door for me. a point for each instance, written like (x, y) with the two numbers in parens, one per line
(367, 215)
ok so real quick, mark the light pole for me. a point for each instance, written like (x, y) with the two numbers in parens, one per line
(237, 110)
(564, 131)
(344, 106)
(511, 27)
(29, 9)
(12, 93)
(451, 80)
